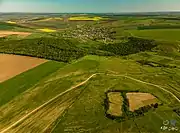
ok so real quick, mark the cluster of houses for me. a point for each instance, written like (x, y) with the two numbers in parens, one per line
(90, 32)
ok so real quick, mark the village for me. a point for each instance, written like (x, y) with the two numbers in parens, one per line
(88, 32)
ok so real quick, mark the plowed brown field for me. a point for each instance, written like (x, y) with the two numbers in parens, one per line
(12, 65)
(7, 33)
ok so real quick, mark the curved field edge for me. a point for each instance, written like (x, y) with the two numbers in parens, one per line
(20, 83)
(33, 120)
(158, 34)
(13, 65)
(90, 103)
(88, 114)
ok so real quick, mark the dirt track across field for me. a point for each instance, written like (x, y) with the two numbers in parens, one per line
(12, 65)
(6, 129)
(7, 33)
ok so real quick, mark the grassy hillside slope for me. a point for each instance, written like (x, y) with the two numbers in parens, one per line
(81, 109)
(18, 84)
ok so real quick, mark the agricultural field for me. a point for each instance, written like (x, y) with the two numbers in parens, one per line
(158, 34)
(85, 18)
(7, 33)
(115, 103)
(20, 63)
(95, 73)
(138, 100)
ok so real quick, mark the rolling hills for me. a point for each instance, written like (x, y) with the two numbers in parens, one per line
(68, 94)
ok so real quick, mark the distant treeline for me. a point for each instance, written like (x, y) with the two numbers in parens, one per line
(132, 46)
(49, 48)
(158, 27)
(174, 18)
(66, 50)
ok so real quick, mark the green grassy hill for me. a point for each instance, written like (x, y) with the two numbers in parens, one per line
(68, 95)
(81, 109)
(158, 34)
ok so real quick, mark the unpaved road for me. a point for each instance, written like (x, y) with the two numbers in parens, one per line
(12, 65)
(46, 103)
(78, 85)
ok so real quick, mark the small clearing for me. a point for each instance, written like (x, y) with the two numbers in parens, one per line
(138, 100)
(7, 33)
(115, 103)
(12, 65)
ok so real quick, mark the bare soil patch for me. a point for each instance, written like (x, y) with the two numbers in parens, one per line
(138, 100)
(115, 103)
(12, 65)
(7, 33)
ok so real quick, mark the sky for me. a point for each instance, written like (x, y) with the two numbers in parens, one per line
(88, 6)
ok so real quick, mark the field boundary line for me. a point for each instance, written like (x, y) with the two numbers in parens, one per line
(46, 103)
(147, 83)
(155, 86)
(83, 82)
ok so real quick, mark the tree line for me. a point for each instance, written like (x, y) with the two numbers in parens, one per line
(49, 48)
(131, 46)
(66, 50)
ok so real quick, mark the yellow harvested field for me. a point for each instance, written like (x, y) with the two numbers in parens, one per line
(138, 100)
(115, 103)
(11, 22)
(85, 18)
(47, 30)
(58, 18)
(49, 19)
(3, 35)
(12, 65)
(7, 33)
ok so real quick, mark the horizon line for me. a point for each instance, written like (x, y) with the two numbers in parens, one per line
(98, 12)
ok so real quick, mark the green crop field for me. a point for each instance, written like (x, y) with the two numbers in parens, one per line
(87, 59)
(158, 34)
(17, 85)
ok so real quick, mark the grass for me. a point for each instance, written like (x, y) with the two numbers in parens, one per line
(48, 114)
(6, 26)
(90, 104)
(17, 85)
(158, 34)
(12, 26)
(82, 110)
(92, 116)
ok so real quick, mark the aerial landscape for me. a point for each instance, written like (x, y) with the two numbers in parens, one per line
(89, 72)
